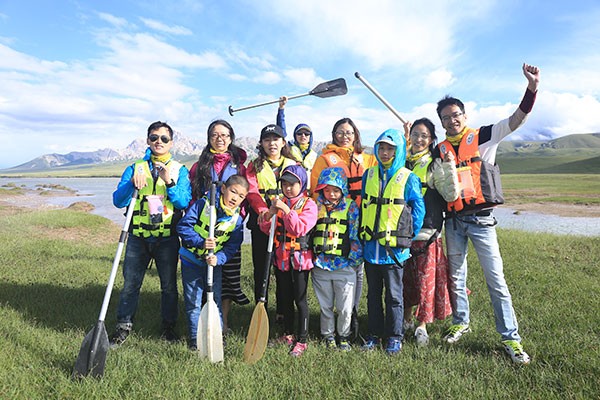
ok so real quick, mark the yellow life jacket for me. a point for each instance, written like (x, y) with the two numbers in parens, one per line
(141, 224)
(386, 217)
(331, 235)
(267, 180)
(223, 229)
(420, 169)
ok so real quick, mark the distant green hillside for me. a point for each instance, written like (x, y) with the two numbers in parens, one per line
(579, 153)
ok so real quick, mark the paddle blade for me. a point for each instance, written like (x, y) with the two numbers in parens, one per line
(92, 354)
(258, 335)
(336, 87)
(210, 335)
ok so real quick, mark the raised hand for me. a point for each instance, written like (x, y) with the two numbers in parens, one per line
(532, 73)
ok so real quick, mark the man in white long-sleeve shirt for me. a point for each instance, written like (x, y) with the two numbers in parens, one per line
(471, 215)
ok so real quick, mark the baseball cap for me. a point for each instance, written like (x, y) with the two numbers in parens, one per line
(272, 129)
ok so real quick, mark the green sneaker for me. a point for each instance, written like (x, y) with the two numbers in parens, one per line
(330, 343)
(516, 352)
(344, 344)
(455, 332)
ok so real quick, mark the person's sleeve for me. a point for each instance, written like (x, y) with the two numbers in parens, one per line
(320, 165)
(180, 195)
(444, 179)
(122, 195)
(414, 198)
(255, 200)
(281, 120)
(231, 246)
(185, 227)
(300, 224)
(355, 256)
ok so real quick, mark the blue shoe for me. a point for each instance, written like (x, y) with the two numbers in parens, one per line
(394, 345)
(371, 343)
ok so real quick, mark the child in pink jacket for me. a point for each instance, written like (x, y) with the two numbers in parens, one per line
(296, 216)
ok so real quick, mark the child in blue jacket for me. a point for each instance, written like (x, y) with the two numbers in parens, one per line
(193, 230)
(392, 211)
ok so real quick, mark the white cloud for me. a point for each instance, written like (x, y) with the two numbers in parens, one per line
(267, 77)
(439, 79)
(114, 21)
(161, 27)
(303, 77)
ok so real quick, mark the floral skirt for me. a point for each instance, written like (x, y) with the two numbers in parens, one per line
(426, 282)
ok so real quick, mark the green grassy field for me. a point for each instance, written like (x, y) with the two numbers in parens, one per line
(54, 269)
(533, 188)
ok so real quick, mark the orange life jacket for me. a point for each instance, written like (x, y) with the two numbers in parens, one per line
(480, 185)
(354, 173)
(282, 237)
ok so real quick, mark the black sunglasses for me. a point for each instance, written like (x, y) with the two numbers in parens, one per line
(303, 133)
(163, 138)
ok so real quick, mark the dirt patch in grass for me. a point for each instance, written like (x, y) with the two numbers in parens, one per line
(561, 209)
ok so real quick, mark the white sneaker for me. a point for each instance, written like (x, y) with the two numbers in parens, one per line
(421, 336)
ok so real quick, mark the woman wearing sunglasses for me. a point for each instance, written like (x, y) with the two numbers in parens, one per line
(301, 146)
(346, 151)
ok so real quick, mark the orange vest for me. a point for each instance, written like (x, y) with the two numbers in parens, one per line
(479, 181)
(354, 173)
(282, 237)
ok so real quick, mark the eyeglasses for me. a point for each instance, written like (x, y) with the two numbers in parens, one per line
(447, 118)
(220, 136)
(416, 136)
(303, 133)
(344, 133)
(163, 138)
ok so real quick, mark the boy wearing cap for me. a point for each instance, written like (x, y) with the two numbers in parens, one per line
(301, 146)
(262, 174)
(296, 215)
(392, 211)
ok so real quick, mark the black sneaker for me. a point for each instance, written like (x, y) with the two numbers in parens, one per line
(117, 338)
(169, 335)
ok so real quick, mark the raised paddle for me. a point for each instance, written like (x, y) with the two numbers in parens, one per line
(92, 354)
(336, 87)
(380, 97)
(258, 333)
(210, 334)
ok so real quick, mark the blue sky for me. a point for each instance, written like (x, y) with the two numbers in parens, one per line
(80, 75)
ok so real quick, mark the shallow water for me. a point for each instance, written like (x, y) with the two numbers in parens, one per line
(98, 191)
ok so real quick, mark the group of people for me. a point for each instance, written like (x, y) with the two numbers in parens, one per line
(340, 215)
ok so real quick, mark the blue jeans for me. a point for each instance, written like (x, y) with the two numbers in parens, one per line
(390, 277)
(138, 254)
(482, 232)
(194, 280)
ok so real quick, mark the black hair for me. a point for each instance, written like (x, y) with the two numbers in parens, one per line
(159, 124)
(203, 177)
(430, 127)
(358, 147)
(237, 180)
(446, 101)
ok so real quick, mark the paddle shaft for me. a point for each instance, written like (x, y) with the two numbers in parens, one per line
(379, 96)
(211, 234)
(115, 266)
(263, 293)
(231, 110)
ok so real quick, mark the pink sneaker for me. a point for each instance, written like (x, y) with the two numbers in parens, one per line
(298, 349)
(288, 340)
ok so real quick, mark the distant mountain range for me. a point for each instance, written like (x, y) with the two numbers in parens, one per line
(183, 148)
(572, 153)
